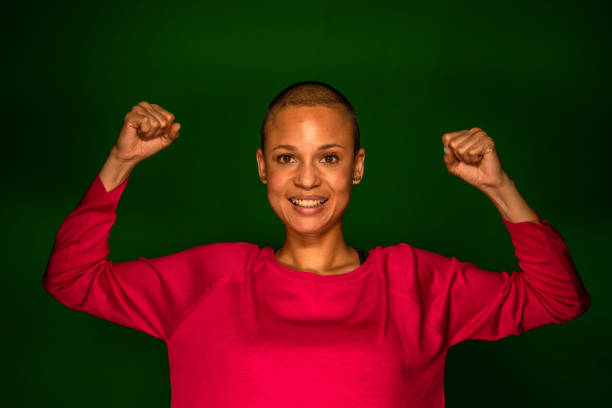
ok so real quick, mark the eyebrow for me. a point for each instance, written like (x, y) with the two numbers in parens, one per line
(323, 147)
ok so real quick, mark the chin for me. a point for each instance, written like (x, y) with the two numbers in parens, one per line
(306, 231)
(309, 227)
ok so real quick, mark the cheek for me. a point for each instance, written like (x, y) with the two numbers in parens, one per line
(277, 189)
(275, 185)
(341, 181)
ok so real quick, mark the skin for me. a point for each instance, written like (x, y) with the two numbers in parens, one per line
(315, 242)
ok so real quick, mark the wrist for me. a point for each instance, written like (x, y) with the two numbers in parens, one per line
(510, 203)
(115, 170)
(502, 186)
(124, 161)
(502, 195)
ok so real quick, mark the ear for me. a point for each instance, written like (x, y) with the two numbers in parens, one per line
(261, 166)
(358, 166)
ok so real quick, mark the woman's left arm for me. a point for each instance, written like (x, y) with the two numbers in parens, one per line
(488, 305)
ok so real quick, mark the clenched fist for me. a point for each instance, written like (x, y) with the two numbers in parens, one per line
(147, 129)
(471, 156)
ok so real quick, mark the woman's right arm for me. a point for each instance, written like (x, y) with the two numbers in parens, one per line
(145, 294)
(153, 295)
(141, 294)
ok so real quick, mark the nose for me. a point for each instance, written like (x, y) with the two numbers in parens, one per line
(307, 176)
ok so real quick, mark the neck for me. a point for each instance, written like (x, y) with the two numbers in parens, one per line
(322, 254)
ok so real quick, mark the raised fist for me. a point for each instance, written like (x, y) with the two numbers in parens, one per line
(147, 129)
(471, 156)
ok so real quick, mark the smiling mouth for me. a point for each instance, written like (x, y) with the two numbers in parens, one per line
(307, 203)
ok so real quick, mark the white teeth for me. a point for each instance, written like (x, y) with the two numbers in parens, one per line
(307, 203)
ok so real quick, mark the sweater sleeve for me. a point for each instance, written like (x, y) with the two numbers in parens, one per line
(467, 302)
(150, 295)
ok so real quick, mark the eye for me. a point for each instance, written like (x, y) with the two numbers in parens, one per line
(332, 156)
(280, 157)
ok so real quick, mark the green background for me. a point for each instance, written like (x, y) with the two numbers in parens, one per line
(533, 75)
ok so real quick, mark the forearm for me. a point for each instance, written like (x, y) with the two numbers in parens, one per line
(509, 202)
(115, 170)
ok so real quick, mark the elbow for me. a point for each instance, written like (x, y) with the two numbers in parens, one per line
(52, 285)
(574, 308)
(55, 276)
(563, 297)
(581, 301)
(65, 293)
(583, 305)
(68, 287)
(48, 283)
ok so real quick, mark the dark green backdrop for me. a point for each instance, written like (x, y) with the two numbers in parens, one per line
(534, 75)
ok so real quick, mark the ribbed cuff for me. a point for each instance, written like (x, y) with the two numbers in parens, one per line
(97, 192)
(531, 238)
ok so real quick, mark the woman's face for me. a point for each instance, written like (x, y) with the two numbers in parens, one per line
(309, 152)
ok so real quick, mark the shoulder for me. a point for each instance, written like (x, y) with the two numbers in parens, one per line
(218, 260)
(404, 255)
(226, 248)
(409, 268)
(226, 254)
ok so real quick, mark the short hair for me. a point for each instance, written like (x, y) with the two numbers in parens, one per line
(310, 93)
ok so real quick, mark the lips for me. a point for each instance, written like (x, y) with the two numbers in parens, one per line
(301, 202)
(308, 197)
(308, 207)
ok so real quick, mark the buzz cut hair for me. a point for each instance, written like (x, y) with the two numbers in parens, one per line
(310, 93)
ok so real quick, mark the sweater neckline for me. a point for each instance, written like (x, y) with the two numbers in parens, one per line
(270, 257)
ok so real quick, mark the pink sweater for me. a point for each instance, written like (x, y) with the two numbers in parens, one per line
(243, 330)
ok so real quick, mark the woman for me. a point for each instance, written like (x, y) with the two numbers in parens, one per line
(316, 323)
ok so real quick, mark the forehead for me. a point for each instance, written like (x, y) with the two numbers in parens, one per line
(310, 124)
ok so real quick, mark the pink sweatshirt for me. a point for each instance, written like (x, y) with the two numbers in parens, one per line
(243, 330)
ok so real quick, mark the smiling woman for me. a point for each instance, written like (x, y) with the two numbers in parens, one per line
(315, 323)
(309, 161)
